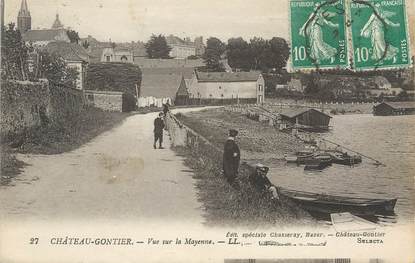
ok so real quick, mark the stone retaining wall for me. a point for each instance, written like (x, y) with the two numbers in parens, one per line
(105, 100)
(209, 156)
(23, 105)
(65, 101)
(182, 135)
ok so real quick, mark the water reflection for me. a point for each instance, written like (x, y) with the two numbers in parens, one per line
(388, 139)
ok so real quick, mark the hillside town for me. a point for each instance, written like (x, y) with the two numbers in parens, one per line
(177, 77)
(249, 140)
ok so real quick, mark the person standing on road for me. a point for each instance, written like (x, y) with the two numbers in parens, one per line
(165, 111)
(158, 131)
(165, 108)
(231, 158)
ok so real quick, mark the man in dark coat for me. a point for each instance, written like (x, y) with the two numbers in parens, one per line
(261, 182)
(158, 130)
(231, 158)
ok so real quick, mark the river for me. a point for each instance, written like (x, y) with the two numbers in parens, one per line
(390, 139)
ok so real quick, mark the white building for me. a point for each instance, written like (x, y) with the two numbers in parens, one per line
(181, 48)
(242, 86)
(111, 54)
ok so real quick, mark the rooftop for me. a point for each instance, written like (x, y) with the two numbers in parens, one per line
(68, 51)
(43, 34)
(227, 76)
(168, 63)
(173, 40)
(400, 105)
(186, 72)
(160, 85)
(292, 113)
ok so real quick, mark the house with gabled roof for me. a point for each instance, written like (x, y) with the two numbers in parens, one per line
(306, 118)
(227, 86)
(159, 89)
(75, 57)
(394, 108)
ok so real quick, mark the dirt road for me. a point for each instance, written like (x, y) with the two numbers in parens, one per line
(118, 175)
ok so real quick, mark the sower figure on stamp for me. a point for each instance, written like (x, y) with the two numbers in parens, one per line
(231, 158)
(158, 131)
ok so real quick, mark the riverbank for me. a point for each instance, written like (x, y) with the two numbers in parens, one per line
(334, 108)
(256, 140)
(56, 137)
(224, 205)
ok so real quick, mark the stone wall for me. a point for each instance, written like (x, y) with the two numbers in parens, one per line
(65, 101)
(27, 104)
(226, 101)
(182, 135)
(105, 100)
(248, 201)
(23, 105)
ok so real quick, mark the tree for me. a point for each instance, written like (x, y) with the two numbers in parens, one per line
(157, 47)
(54, 68)
(14, 54)
(124, 77)
(239, 54)
(212, 56)
(258, 46)
(279, 52)
(73, 36)
(269, 55)
(259, 54)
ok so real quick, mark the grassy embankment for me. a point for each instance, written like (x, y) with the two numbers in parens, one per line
(223, 204)
(55, 137)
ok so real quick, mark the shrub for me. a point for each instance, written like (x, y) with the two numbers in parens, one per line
(121, 77)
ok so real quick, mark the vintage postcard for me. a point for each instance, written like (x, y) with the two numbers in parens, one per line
(207, 131)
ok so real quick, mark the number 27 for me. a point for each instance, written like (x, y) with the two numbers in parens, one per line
(34, 241)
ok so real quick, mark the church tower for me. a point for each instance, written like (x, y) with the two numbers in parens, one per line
(57, 24)
(24, 20)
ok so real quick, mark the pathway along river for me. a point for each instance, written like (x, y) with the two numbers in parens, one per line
(391, 140)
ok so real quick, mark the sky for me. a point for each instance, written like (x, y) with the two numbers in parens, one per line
(132, 20)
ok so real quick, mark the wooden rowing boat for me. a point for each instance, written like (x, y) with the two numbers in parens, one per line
(344, 158)
(316, 165)
(348, 222)
(328, 204)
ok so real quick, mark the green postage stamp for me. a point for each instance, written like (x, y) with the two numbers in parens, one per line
(318, 35)
(357, 34)
(379, 34)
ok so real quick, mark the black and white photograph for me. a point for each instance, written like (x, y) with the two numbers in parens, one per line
(207, 131)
